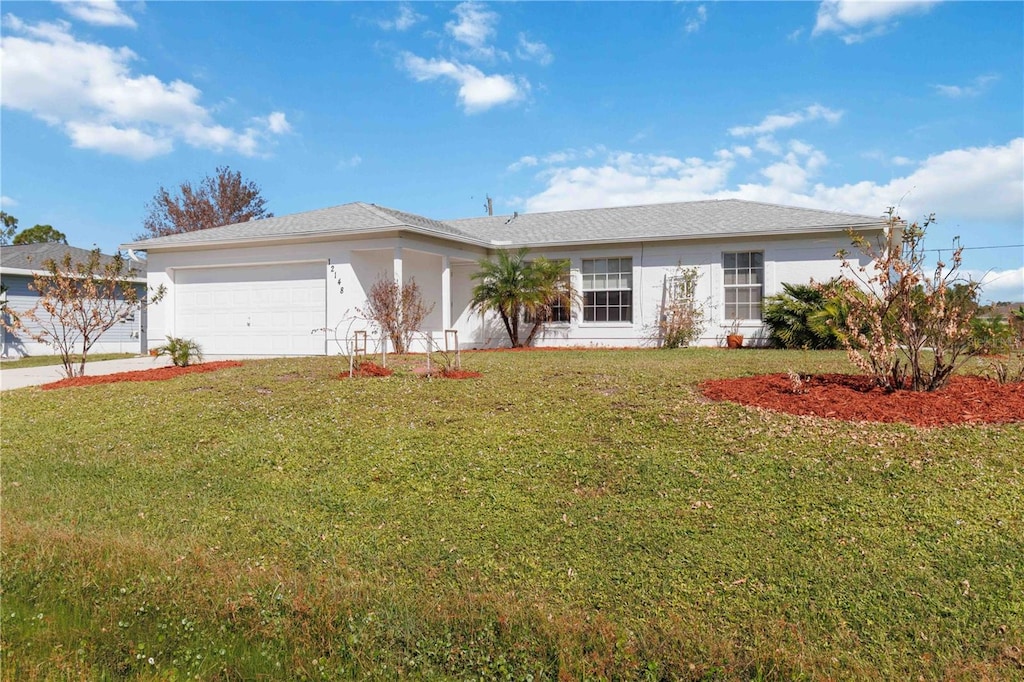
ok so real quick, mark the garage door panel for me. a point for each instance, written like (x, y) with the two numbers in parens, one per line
(253, 310)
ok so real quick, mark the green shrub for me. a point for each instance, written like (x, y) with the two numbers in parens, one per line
(991, 334)
(805, 316)
(181, 351)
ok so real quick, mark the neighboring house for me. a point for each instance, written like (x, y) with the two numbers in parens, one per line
(18, 265)
(265, 286)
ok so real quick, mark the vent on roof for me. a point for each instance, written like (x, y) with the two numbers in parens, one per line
(515, 214)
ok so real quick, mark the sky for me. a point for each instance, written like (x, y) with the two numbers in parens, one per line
(432, 107)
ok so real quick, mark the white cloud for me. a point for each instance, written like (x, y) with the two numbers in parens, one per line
(858, 20)
(475, 28)
(533, 51)
(776, 122)
(624, 179)
(130, 142)
(980, 184)
(407, 18)
(350, 162)
(696, 22)
(278, 124)
(98, 12)
(901, 161)
(975, 88)
(7, 202)
(89, 90)
(523, 162)
(477, 91)
(1000, 285)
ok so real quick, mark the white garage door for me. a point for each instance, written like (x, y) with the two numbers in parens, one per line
(253, 310)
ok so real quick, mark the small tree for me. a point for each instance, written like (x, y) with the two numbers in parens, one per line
(517, 288)
(897, 312)
(223, 199)
(682, 318)
(398, 309)
(78, 302)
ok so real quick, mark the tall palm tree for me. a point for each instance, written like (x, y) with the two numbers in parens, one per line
(517, 288)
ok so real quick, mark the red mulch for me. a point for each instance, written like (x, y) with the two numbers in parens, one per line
(965, 400)
(368, 369)
(155, 374)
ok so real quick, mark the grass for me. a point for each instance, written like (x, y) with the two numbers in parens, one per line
(570, 515)
(47, 360)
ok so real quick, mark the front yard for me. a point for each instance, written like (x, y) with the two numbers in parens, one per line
(569, 515)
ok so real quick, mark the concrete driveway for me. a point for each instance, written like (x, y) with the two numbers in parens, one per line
(35, 376)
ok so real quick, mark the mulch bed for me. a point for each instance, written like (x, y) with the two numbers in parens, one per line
(368, 369)
(965, 400)
(155, 374)
(372, 369)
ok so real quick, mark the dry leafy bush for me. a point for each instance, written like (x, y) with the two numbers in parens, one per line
(682, 318)
(906, 327)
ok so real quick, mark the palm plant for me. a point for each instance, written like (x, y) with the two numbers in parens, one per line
(181, 351)
(804, 316)
(516, 288)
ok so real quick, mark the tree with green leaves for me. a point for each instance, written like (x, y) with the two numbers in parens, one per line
(9, 228)
(517, 288)
(40, 234)
(221, 199)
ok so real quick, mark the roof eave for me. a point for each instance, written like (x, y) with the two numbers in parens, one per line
(306, 237)
(32, 273)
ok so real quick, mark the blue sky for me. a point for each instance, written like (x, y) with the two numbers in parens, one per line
(429, 107)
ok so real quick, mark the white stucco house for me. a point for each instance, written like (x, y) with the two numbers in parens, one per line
(263, 287)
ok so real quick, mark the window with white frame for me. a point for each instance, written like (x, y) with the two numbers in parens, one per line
(744, 284)
(608, 290)
(559, 309)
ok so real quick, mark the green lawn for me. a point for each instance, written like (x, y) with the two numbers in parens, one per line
(570, 515)
(46, 360)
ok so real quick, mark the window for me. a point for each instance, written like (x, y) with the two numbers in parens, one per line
(608, 290)
(744, 284)
(560, 307)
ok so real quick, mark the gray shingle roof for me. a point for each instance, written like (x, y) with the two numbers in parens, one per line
(354, 218)
(33, 256)
(683, 220)
(689, 219)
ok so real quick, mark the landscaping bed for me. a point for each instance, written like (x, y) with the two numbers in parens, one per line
(155, 374)
(965, 400)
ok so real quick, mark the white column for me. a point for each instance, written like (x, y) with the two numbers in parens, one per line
(398, 265)
(446, 294)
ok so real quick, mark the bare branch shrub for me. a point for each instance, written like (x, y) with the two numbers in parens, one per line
(682, 319)
(907, 327)
(398, 309)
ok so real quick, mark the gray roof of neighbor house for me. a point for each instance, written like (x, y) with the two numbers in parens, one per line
(683, 220)
(32, 257)
(354, 218)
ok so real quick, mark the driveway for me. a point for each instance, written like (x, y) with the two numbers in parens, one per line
(34, 376)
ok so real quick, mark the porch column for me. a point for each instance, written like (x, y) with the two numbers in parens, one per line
(398, 265)
(446, 294)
